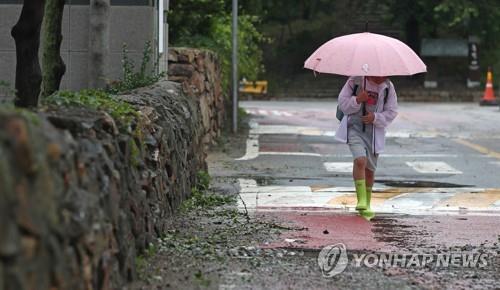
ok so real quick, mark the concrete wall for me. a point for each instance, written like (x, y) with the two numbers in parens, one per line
(133, 25)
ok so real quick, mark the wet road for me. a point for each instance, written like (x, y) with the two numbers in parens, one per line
(437, 183)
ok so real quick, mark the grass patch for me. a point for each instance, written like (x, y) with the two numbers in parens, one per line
(146, 74)
(121, 111)
(141, 261)
(204, 200)
(201, 198)
(27, 114)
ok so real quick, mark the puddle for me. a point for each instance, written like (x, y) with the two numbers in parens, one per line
(420, 183)
(395, 232)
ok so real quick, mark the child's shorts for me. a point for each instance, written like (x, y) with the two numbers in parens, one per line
(359, 148)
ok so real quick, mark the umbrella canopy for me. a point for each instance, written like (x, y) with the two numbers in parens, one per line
(365, 54)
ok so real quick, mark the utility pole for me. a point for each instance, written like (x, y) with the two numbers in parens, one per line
(163, 34)
(235, 65)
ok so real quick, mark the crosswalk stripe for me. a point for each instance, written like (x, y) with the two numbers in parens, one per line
(344, 167)
(290, 153)
(416, 200)
(266, 112)
(386, 200)
(473, 199)
(433, 167)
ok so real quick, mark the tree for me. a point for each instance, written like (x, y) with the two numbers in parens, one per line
(52, 63)
(207, 24)
(451, 18)
(98, 42)
(26, 34)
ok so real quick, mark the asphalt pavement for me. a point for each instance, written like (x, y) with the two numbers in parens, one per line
(437, 185)
(293, 225)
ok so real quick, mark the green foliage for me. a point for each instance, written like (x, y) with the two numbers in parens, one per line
(97, 100)
(134, 153)
(201, 199)
(207, 24)
(6, 91)
(29, 115)
(452, 18)
(133, 79)
(203, 180)
(204, 200)
(141, 261)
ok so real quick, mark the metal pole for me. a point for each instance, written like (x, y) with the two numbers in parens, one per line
(235, 65)
(165, 36)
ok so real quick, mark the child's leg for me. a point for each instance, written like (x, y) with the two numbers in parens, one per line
(370, 177)
(359, 168)
(358, 173)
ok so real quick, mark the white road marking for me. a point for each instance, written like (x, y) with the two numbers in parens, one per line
(338, 166)
(252, 148)
(349, 155)
(285, 129)
(290, 153)
(416, 200)
(276, 189)
(495, 163)
(433, 167)
(276, 113)
(262, 112)
(302, 198)
(245, 183)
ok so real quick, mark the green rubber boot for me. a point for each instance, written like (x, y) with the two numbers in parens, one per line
(360, 194)
(368, 214)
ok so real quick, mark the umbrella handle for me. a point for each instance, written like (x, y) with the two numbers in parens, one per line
(363, 107)
(364, 113)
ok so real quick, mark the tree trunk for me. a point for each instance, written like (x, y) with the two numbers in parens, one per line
(98, 42)
(52, 63)
(26, 34)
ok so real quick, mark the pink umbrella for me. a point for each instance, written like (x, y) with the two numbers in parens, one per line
(365, 54)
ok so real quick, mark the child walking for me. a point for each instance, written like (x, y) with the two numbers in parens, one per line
(369, 105)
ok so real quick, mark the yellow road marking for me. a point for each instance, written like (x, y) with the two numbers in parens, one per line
(473, 199)
(461, 199)
(479, 148)
(378, 197)
(319, 187)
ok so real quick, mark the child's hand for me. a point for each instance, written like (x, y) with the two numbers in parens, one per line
(368, 118)
(362, 97)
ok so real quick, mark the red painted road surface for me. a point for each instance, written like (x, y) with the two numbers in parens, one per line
(387, 233)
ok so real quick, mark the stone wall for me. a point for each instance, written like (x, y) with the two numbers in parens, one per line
(80, 198)
(197, 71)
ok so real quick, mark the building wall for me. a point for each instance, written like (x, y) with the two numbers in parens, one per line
(132, 22)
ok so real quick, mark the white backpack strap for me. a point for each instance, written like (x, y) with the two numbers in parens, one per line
(358, 80)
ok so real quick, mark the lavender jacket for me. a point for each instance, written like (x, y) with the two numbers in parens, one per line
(384, 113)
